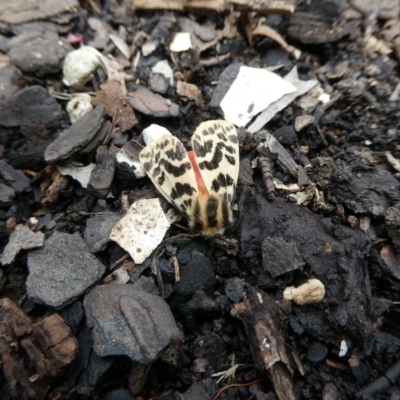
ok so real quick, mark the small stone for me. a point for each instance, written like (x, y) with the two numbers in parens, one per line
(317, 352)
(102, 175)
(234, 289)
(149, 103)
(303, 121)
(15, 178)
(158, 83)
(6, 194)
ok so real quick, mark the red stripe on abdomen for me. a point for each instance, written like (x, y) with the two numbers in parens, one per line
(199, 180)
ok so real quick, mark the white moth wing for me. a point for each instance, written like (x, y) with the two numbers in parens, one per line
(167, 164)
(215, 145)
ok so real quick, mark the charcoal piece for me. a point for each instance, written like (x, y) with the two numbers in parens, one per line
(119, 394)
(72, 315)
(198, 273)
(62, 270)
(210, 347)
(245, 173)
(15, 178)
(76, 137)
(38, 53)
(95, 368)
(33, 103)
(234, 289)
(102, 175)
(261, 319)
(361, 372)
(140, 324)
(317, 22)
(364, 188)
(392, 219)
(7, 194)
(98, 137)
(98, 229)
(280, 256)
(149, 103)
(196, 392)
(286, 135)
(317, 352)
(225, 81)
(56, 342)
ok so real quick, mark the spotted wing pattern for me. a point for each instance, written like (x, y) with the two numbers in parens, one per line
(215, 145)
(167, 164)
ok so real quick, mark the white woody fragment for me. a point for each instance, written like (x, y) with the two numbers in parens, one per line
(79, 105)
(163, 68)
(270, 111)
(80, 64)
(120, 44)
(80, 174)
(343, 348)
(154, 132)
(253, 91)
(180, 42)
(141, 230)
(313, 291)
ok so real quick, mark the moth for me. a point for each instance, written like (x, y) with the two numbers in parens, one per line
(200, 183)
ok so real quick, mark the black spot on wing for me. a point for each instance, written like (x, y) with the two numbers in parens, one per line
(216, 158)
(221, 181)
(233, 138)
(231, 160)
(202, 150)
(175, 170)
(148, 165)
(180, 190)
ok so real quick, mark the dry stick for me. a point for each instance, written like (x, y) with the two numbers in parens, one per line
(176, 268)
(210, 62)
(119, 261)
(264, 164)
(219, 391)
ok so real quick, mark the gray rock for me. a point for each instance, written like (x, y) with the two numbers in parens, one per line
(102, 176)
(126, 320)
(98, 229)
(38, 53)
(15, 178)
(62, 270)
(196, 392)
(34, 103)
(22, 238)
(6, 194)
